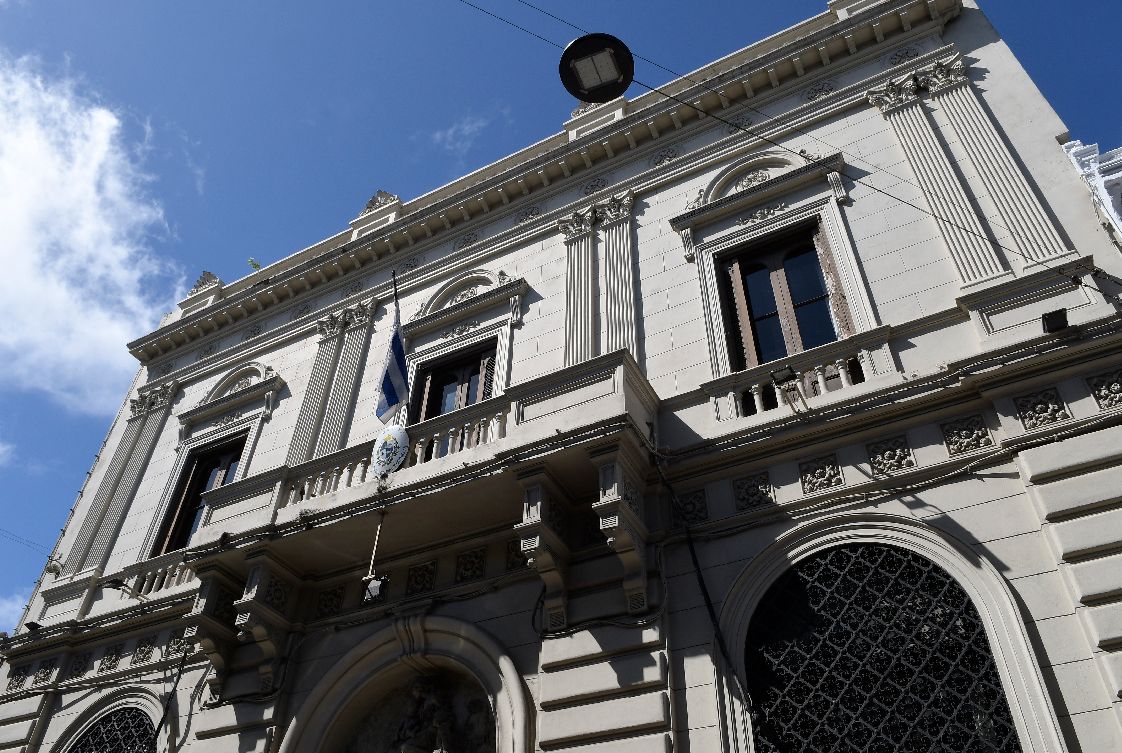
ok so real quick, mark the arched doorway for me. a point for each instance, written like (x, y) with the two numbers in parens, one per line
(126, 730)
(866, 647)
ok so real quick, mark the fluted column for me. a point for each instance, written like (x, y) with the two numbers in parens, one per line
(340, 398)
(580, 286)
(1031, 232)
(619, 283)
(315, 395)
(974, 256)
(121, 478)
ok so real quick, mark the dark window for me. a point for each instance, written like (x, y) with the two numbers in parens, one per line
(452, 384)
(205, 470)
(865, 647)
(777, 300)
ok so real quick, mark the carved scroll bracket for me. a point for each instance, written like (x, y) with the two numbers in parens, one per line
(211, 622)
(620, 509)
(545, 508)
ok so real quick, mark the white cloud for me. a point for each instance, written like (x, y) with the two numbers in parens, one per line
(7, 452)
(79, 277)
(11, 609)
(458, 138)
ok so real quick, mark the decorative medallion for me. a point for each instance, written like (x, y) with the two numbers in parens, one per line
(594, 185)
(820, 474)
(903, 55)
(44, 672)
(890, 455)
(329, 602)
(410, 264)
(966, 434)
(79, 665)
(145, 647)
(1107, 389)
(17, 677)
(739, 124)
(820, 89)
(1040, 409)
(663, 157)
(515, 559)
(752, 491)
(471, 565)
(178, 643)
(111, 658)
(300, 311)
(529, 213)
(421, 578)
(466, 240)
(276, 594)
(252, 331)
(390, 450)
(354, 288)
(749, 179)
(692, 508)
(460, 329)
(166, 369)
(207, 350)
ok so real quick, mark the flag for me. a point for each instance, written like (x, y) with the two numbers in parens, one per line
(395, 386)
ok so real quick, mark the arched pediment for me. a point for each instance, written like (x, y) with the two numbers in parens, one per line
(246, 375)
(745, 173)
(464, 286)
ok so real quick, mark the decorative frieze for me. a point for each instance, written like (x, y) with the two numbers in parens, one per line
(1107, 389)
(692, 508)
(763, 213)
(17, 678)
(421, 579)
(820, 474)
(903, 55)
(595, 185)
(111, 659)
(752, 491)
(515, 559)
(466, 240)
(79, 665)
(820, 89)
(739, 124)
(252, 331)
(966, 435)
(460, 329)
(890, 455)
(145, 647)
(663, 157)
(471, 565)
(276, 594)
(44, 672)
(529, 213)
(749, 179)
(329, 602)
(1040, 408)
(178, 643)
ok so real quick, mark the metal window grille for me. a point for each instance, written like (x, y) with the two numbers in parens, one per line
(873, 649)
(127, 730)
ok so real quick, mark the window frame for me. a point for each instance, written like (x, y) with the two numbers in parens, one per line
(484, 352)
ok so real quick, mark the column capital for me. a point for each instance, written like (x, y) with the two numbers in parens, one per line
(153, 399)
(942, 75)
(578, 224)
(894, 94)
(616, 208)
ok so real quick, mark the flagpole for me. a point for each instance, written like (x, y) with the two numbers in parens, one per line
(401, 419)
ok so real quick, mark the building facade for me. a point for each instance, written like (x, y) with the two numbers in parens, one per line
(1103, 175)
(780, 414)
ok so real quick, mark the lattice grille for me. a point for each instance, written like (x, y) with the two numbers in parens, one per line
(127, 730)
(873, 649)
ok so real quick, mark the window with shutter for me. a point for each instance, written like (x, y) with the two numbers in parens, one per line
(206, 469)
(454, 383)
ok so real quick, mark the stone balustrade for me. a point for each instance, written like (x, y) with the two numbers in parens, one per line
(155, 576)
(460, 430)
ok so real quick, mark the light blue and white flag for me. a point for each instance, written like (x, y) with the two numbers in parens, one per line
(395, 386)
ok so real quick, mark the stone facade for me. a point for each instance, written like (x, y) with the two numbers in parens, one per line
(1103, 175)
(605, 551)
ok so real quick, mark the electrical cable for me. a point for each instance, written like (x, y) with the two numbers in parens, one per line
(1074, 279)
(16, 538)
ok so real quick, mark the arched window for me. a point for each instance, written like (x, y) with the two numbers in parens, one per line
(127, 730)
(867, 647)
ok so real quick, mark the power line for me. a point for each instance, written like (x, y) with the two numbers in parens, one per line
(1074, 279)
(14, 537)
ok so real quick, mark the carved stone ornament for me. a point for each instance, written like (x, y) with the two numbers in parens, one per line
(1040, 409)
(692, 508)
(616, 208)
(466, 240)
(529, 213)
(894, 94)
(111, 658)
(696, 201)
(153, 399)
(739, 124)
(380, 199)
(820, 89)
(890, 455)
(329, 602)
(1107, 389)
(577, 224)
(594, 185)
(752, 491)
(903, 55)
(749, 179)
(276, 594)
(966, 434)
(459, 329)
(330, 325)
(663, 157)
(178, 643)
(515, 559)
(440, 712)
(145, 647)
(44, 672)
(471, 565)
(354, 288)
(762, 214)
(584, 107)
(166, 369)
(206, 280)
(207, 350)
(820, 474)
(409, 264)
(79, 665)
(300, 311)
(464, 295)
(17, 678)
(421, 578)
(252, 331)
(941, 75)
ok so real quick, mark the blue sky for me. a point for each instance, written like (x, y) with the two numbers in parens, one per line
(141, 142)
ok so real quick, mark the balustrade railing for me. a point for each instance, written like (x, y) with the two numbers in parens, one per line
(153, 576)
(338, 473)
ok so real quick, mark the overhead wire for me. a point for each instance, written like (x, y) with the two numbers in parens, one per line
(1074, 279)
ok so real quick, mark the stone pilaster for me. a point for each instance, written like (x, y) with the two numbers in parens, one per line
(1031, 232)
(340, 399)
(619, 284)
(103, 521)
(975, 257)
(315, 395)
(580, 286)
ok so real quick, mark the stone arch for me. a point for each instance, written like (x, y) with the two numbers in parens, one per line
(774, 162)
(990, 594)
(461, 284)
(410, 647)
(119, 700)
(240, 377)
